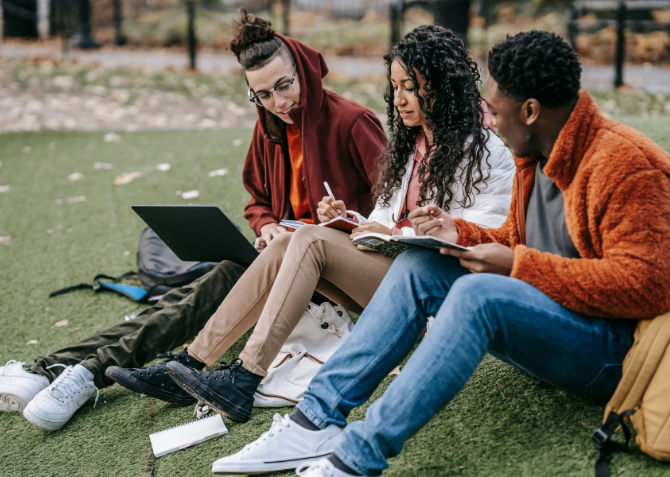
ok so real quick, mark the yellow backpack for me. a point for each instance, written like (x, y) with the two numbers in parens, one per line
(642, 396)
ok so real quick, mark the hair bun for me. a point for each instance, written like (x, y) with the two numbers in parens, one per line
(248, 31)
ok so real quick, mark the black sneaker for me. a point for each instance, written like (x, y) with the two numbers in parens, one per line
(154, 381)
(229, 389)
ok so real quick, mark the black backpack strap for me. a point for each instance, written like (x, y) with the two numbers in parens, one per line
(95, 287)
(607, 447)
(155, 293)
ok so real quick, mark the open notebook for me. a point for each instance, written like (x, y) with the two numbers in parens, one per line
(339, 223)
(187, 435)
(393, 246)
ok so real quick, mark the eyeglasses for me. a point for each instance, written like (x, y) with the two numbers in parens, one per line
(264, 98)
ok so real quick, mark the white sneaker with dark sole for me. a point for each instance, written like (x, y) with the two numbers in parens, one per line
(18, 387)
(285, 446)
(320, 468)
(54, 406)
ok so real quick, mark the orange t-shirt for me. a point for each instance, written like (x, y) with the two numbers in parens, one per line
(298, 192)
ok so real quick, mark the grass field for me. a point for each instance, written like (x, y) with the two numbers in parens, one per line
(503, 423)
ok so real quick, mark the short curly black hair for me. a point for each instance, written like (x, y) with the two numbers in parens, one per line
(536, 64)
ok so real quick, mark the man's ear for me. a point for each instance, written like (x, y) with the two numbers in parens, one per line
(530, 111)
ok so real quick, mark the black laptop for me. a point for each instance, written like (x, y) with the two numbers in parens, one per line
(198, 233)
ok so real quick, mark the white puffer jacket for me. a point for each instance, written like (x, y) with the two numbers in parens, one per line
(490, 206)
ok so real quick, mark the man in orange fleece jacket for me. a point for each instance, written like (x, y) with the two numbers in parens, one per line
(557, 290)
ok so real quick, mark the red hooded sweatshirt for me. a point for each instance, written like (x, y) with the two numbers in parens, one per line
(341, 143)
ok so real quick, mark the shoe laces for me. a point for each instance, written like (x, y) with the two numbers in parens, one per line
(231, 369)
(7, 364)
(160, 367)
(70, 383)
(279, 423)
(321, 468)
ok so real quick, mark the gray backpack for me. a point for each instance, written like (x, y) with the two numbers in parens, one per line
(159, 270)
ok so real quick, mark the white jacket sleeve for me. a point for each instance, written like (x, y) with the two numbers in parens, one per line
(491, 205)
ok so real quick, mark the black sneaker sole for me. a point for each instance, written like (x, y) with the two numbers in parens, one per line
(123, 377)
(215, 401)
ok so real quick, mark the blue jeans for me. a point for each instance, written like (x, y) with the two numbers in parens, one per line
(474, 314)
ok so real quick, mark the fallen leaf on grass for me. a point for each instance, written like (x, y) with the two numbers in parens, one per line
(70, 200)
(60, 323)
(218, 172)
(31, 342)
(190, 194)
(112, 137)
(77, 328)
(5, 240)
(6, 188)
(127, 177)
(75, 176)
(163, 167)
(102, 165)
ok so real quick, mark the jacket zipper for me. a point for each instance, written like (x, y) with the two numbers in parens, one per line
(520, 209)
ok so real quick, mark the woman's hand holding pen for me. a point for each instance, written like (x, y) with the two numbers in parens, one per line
(328, 209)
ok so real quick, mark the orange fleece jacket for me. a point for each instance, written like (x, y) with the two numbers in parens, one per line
(616, 188)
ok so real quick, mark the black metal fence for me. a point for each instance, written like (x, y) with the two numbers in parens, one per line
(588, 16)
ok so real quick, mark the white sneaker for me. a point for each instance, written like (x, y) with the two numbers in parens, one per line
(18, 387)
(55, 405)
(285, 446)
(320, 468)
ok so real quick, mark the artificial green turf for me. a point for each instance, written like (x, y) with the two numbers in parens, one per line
(502, 423)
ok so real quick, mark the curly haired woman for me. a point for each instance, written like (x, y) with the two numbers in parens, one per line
(439, 153)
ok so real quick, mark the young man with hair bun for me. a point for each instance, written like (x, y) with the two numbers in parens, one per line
(305, 135)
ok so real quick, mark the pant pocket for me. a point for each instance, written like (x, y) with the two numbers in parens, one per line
(604, 384)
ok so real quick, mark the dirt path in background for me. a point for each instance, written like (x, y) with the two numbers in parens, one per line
(655, 79)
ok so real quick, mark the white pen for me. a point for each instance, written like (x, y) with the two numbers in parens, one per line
(330, 193)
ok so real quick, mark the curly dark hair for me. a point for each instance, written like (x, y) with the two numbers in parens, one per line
(254, 42)
(536, 64)
(451, 102)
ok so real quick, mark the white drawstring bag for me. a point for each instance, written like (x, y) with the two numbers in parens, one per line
(320, 331)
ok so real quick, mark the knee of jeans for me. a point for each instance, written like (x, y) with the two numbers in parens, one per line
(474, 293)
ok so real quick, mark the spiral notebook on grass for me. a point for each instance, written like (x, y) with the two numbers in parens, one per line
(187, 435)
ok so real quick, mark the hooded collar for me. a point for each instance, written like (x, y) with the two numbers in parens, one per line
(572, 142)
(310, 69)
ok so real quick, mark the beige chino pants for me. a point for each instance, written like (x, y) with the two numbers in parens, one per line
(276, 289)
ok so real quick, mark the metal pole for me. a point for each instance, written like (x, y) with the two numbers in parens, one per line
(86, 41)
(620, 45)
(190, 10)
(285, 20)
(396, 21)
(118, 20)
(572, 26)
(453, 14)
